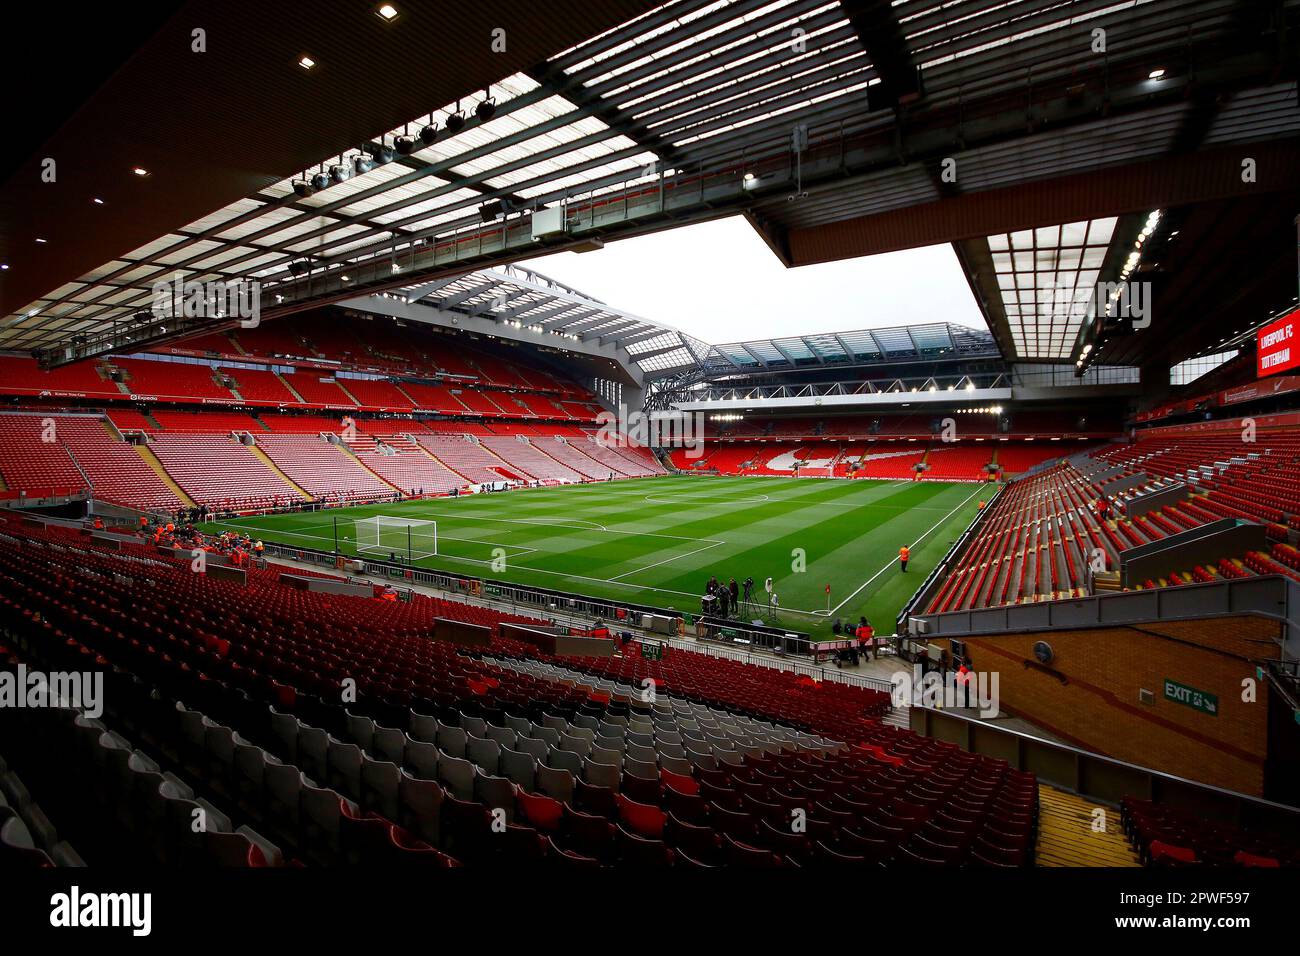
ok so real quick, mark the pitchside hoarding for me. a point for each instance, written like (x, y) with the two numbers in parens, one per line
(1275, 347)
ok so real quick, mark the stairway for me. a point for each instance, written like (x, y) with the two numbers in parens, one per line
(150, 459)
(344, 389)
(266, 460)
(420, 448)
(343, 449)
(1066, 836)
(403, 392)
(292, 391)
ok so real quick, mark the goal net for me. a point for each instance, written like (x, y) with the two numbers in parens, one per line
(405, 537)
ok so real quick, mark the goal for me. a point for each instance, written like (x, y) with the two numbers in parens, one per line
(410, 538)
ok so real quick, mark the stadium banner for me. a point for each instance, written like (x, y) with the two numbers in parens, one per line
(1225, 425)
(1254, 390)
(1275, 346)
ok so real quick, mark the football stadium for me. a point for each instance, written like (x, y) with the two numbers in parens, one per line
(787, 434)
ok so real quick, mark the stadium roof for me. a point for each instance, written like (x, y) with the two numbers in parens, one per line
(903, 343)
(833, 125)
(522, 298)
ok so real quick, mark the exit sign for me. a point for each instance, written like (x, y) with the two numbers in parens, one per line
(1201, 700)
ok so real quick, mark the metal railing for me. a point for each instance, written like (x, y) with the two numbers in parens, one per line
(925, 591)
(1101, 778)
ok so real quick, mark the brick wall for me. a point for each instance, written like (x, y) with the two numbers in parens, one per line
(1098, 708)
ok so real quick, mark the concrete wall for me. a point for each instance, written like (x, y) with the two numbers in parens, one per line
(1089, 694)
(328, 585)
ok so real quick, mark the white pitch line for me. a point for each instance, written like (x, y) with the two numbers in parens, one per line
(675, 557)
(891, 562)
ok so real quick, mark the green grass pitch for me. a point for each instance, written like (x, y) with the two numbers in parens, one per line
(657, 540)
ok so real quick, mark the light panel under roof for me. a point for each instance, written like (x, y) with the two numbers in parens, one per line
(1047, 278)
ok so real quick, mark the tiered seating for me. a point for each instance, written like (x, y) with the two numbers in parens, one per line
(499, 372)
(33, 466)
(273, 339)
(1167, 836)
(1016, 458)
(172, 381)
(205, 423)
(117, 472)
(885, 460)
(21, 375)
(401, 463)
(1038, 540)
(377, 394)
(541, 406)
(216, 343)
(534, 463)
(639, 461)
(1255, 480)
(434, 398)
(468, 459)
(261, 387)
(321, 469)
(480, 403)
(570, 454)
(129, 420)
(583, 411)
(317, 389)
(958, 462)
(309, 424)
(220, 472)
(605, 457)
(585, 770)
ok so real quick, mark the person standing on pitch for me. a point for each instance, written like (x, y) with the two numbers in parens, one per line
(734, 588)
(903, 554)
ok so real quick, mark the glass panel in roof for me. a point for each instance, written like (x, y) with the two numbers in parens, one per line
(826, 346)
(862, 344)
(795, 348)
(765, 350)
(894, 340)
(674, 359)
(737, 355)
(932, 337)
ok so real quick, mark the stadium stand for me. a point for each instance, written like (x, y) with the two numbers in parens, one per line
(319, 389)
(703, 774)
(22, 376)
(322, 469)
(523, 455)
(468, 458)
(1042, 487)
(258, 387)
(32, 465)
(401, 462)
(173, 381)
(219, 472)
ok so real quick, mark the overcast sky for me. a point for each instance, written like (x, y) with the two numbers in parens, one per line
(720, 282)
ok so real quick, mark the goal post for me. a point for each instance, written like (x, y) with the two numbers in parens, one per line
(384, 535)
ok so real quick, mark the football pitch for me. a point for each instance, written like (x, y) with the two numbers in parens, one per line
(657, 540)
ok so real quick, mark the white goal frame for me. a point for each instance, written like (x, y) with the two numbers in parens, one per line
(412, 538)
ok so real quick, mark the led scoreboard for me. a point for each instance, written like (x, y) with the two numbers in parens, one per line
(1275, 346)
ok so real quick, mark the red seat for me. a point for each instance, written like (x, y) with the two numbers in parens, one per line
(641, 818)
(680, 782)
(541, 811)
